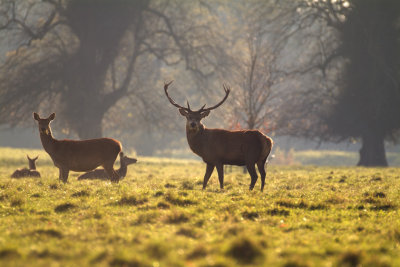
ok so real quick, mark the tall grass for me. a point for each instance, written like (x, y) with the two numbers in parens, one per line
(159, 216)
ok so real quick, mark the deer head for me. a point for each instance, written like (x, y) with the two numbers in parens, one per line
(194, 117)
(125, 160)
(32, 162)
(44, 124)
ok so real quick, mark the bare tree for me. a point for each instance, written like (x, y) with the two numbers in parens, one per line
(78, 57)
(264, 61)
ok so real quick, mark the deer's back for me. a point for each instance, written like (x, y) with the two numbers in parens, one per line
(85, 155)
(25, 173)
(34, 173)
(95, 174)
(20, 173)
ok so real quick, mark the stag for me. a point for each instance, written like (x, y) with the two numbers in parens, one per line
(218, 147)
(78, 155)
(25, 172)
(101, 173)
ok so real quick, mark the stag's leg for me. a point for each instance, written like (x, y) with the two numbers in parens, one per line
(63, 175)
(261, 169)
(207, 175)
(252, 170)
(220, 170)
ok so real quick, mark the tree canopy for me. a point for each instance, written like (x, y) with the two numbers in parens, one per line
(80, 57)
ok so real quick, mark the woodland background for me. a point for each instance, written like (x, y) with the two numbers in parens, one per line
(311, 74)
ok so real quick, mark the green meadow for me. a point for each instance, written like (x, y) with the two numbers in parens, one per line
(159, 216)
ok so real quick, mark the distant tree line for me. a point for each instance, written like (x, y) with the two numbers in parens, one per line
(321, 70)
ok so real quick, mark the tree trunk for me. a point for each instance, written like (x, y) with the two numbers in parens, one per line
(372, 152)
(89, 127)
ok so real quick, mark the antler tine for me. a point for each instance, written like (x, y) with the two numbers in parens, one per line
(169, 98)
(227, 90)
(187, 102)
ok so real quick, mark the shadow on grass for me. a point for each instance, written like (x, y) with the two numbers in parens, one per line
(45, 254)
(118, 262)
(350, 259)
(177, 200)
(82, 193)
(250, 215)
(64, 207)
(304, 205)
(7, 253)
(176, 217)
(245, 250)
(130, 201)
(48, 232)
(278, 212)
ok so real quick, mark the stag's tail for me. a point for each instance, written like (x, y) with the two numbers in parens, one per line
(267, 144)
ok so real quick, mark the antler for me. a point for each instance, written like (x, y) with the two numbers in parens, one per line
(227, 90)
(171, 100)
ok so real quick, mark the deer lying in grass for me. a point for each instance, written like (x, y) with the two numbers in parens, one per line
(218, 147)
(25, 172)
(101, 173)
(78, 155)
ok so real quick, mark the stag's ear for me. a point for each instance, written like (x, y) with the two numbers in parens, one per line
(52, 116)
(183, 112)
(28, 157)
(205, 114)
(35, 158)
(36, 116)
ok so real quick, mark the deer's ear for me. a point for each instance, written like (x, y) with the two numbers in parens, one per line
(36, 116)
(52, 116)
(28, 157)
(205, 114)
(183, 112)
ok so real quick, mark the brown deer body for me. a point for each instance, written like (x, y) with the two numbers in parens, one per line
(102, 174)
(78, 155)
(218, 147)
(25, 172)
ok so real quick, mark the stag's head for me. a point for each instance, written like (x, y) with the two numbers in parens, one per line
(32, 162)
(44, 124)
(194, 117)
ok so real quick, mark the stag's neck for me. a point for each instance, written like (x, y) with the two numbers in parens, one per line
(48, 142)
(196, 139)
(122, 170)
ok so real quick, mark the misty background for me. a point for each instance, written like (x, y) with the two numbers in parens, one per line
(311, 74)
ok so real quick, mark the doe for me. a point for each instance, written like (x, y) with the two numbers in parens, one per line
(25, 172)
(78, 155)
(102, 174)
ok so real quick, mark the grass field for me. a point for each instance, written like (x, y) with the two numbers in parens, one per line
(159, 216)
